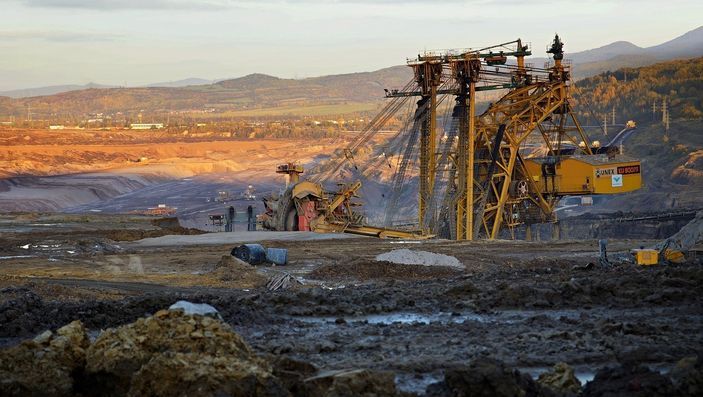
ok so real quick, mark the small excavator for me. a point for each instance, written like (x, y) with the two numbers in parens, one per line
(671, 250)
(674, 248)
(305, 206)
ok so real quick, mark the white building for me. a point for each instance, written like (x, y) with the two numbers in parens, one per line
(146, 126)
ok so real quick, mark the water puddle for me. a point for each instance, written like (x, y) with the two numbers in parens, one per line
(504, 317)
(586, 374)
(417, 383)
(495, 317)
(17, 257)
(583, 374)
(394, 318)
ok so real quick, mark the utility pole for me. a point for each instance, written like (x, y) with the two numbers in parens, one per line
(613, 121)
(665, 117)
(29, 112)
(605, 124)
(654, 110)
(666, 123)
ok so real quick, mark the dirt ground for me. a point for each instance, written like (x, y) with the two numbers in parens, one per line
(120, 171)
(528, 304)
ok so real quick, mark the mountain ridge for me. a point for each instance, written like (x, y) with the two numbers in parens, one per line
(591, 62)
(259, 94)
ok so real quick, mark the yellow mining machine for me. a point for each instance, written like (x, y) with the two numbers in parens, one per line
(477, 179)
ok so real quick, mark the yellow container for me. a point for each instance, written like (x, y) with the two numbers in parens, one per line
(646, 256)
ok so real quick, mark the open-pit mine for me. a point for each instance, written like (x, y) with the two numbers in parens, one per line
(444, 248)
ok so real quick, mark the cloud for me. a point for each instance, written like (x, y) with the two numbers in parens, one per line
(210, 4)
(58, 36)
(129, 4)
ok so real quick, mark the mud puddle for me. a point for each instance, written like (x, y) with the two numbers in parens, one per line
(417, 383)
(586, 374)
(443, 318)
(16, 257)
(504, 317)
(394, 318)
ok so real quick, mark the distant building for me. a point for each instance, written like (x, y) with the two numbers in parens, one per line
(56, 127)
(146, 126)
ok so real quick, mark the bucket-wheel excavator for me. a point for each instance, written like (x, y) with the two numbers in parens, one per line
(305, 206)
(476, 177)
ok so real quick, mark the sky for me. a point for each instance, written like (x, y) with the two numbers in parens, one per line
(137, 42)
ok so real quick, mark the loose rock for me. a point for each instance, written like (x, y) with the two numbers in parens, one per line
(561, 378)
(628, 380)
(359, 382)
(489, 378)
(44, 366)
(688, 376)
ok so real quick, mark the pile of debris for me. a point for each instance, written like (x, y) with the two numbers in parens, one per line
(282, 281)
(172, 353)
(231, 269)
(423, 258)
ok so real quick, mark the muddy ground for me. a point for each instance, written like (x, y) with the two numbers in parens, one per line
(530, 305)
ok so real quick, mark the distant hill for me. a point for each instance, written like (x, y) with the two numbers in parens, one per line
(260, 95)
(621, 54)
(181, 83)
(685, 46)
(625, 54)
(252, 95)
(50, 90)
(58, 89)
(365, 86)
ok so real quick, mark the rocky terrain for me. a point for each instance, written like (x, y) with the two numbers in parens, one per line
(497, 326)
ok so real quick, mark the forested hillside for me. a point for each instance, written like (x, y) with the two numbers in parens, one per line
(638, 93)
(255, 95)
